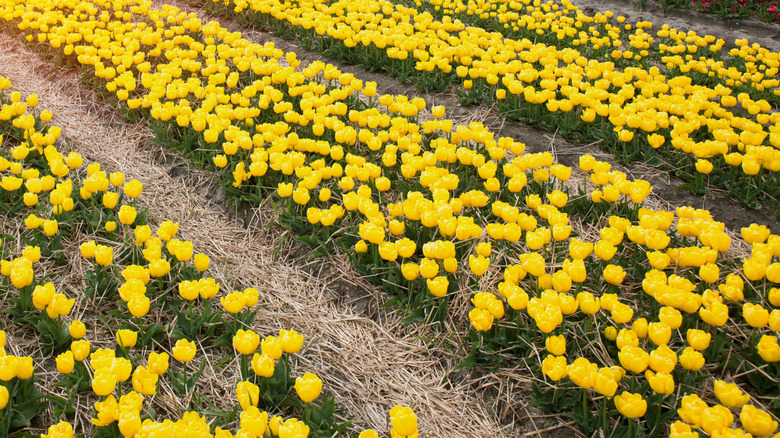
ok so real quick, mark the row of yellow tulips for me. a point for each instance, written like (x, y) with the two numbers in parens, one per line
(47, 197)
(708, 118)
(434, 208)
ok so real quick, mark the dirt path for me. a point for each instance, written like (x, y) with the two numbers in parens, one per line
(370, 364)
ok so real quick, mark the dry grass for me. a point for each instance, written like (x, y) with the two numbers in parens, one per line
(369, 364)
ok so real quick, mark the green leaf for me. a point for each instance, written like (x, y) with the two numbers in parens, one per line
(416, 315)
(466, 363)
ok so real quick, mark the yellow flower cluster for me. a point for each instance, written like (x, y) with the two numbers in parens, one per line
(157, 262)
(730, 122)
(443, 205)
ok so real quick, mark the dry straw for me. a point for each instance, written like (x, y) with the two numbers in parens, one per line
(367, 358)
(370, 364)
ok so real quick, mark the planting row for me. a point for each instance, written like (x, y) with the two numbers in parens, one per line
(623, 297)
(136, 274)
(695, 115)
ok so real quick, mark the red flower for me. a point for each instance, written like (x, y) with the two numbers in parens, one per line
(772, 9)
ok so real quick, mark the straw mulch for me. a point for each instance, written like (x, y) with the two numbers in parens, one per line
(370, 364)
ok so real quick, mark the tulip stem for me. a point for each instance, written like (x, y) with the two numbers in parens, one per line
(244, 367)
(186, 384)
(604, 423)
(658, 412)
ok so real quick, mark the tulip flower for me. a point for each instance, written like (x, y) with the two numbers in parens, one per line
(201, 262)
(678, 429)
(611, 333)
(622, 313)
(80, 350)
(127, 214)
(438, 286)
(248, 394)
(133, 188)
(293, 428)
(233, 302)
(308, 387)
(691, 410)
(661, 383)
(755, 315)
(291, 341)
(715, 314)
(158, 363)
(184, 350)
(65, 362)
(640, 327)
(768, 349)
(139, 305)
(663, 359)
(481, 319)
(582, 372)
(614, 274)
(246, 341)
(730, 395)
(403, 421)
(691, 359)
(254, 421)
(757, 422)
(634, 359)
(63, 429)
(626, 338)
(263, 365)
(716, 418)
(698, 339)
(630, 405)
(671, 317)
(660, 333)
(556, 345)
(605, 383)
(103, 382)
(144, 381)
(554, 367)
(410, 271)
(126, 338)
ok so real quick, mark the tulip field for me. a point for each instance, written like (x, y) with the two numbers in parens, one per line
(618, 313)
